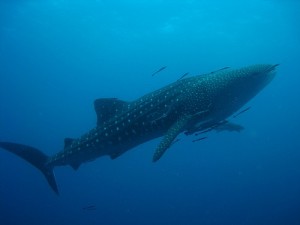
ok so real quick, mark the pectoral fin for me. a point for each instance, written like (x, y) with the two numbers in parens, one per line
(229, 127)
(169, 137)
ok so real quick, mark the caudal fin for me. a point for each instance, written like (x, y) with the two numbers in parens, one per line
(34, 157)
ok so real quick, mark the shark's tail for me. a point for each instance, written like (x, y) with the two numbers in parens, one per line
(34, 157)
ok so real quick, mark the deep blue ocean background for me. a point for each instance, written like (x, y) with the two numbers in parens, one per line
(58, 56)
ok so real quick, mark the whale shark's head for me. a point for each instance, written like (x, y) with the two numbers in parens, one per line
(254, 78)
(231, 89)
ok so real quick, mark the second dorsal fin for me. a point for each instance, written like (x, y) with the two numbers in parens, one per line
(106, 108)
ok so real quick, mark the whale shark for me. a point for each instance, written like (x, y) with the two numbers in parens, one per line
(189, 105)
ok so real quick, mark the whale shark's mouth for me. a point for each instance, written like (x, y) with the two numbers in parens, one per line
(266, 76)
(271, 74)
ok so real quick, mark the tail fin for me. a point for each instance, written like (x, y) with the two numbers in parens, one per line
(34, 157)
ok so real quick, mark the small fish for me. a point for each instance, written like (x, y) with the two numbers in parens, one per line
(224, 68)
(203, 132)
(161, 69)
(184, 75)
(212, 127)
(199, 139)
(90, 207)
(239, 113)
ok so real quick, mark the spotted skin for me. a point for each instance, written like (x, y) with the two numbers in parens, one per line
(189, 105)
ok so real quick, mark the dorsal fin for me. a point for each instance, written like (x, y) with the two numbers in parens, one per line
(106, 108)
(68, 142)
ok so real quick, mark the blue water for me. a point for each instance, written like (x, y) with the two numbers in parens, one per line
(57, 56)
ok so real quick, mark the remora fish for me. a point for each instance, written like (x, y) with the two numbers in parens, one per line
(90, 207)
(239, 113)
(159, 70)
(188, 105)
(184, 75)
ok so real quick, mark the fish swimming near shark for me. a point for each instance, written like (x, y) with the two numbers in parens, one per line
(159, 70)
(188, 105)
(184, 75)
(239, 113)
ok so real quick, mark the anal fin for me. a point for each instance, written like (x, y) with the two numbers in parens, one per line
(169, 137)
